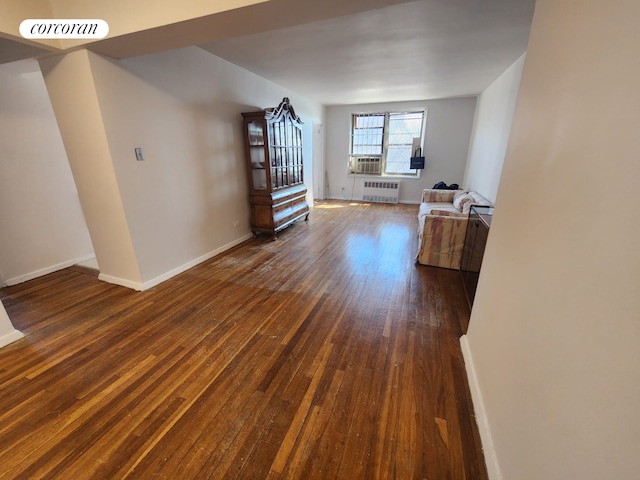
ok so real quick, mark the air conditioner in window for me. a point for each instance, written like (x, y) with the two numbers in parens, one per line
(365, 166)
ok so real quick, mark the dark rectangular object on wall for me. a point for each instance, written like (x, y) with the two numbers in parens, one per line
(417, 160)
(417, 163)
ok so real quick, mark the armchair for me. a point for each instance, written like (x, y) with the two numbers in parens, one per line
(442, 226)
(441, 238)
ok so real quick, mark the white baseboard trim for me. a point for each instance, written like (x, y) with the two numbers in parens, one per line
(173, 272)
(182, 268)
(45, 271)
(90, 262)
(123, 282)
(10, 337)
(490, 457)
(403, 202)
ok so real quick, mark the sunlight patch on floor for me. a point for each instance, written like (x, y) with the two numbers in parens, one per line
(328, 206)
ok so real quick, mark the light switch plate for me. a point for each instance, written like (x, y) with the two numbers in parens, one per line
(139, 154)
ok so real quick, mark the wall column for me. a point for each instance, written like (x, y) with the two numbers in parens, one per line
(553, 345)
(8, 334)
(71, 87)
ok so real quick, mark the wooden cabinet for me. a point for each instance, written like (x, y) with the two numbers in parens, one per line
(474, 244)
(273, 142)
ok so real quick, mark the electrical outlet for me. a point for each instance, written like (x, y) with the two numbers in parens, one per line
(139, 154)
(236, 224)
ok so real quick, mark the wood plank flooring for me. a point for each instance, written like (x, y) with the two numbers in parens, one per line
(327, 354)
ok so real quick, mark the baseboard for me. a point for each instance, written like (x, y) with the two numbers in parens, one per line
(45, 271)
(403, 202)
(490, 457)
(10, 337)
(123, 282)
(182, 268)
(173, 272)
(91, 263)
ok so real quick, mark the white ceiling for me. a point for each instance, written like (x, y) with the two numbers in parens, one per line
(346, 51)
(417, 50)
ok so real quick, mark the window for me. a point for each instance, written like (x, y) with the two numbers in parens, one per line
(383, 143)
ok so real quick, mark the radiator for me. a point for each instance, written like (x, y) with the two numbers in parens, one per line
(381, 192)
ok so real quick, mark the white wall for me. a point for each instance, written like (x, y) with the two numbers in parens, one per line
(42, 225)
(182, 108)
(554, 334)
(446, 146)
(491, 128)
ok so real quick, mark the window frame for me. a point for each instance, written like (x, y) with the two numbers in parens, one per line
(353, 170)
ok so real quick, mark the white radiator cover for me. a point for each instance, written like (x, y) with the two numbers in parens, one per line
(381, 191)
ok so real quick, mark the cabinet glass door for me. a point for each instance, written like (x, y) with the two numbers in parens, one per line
(255, 133)
(296, 155)
(279, 154)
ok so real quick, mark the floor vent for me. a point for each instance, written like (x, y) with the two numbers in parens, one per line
(381, 192)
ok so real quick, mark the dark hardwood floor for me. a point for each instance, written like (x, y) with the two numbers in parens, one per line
(327, 354)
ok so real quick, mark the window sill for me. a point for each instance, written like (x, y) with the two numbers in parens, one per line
(386, 177)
